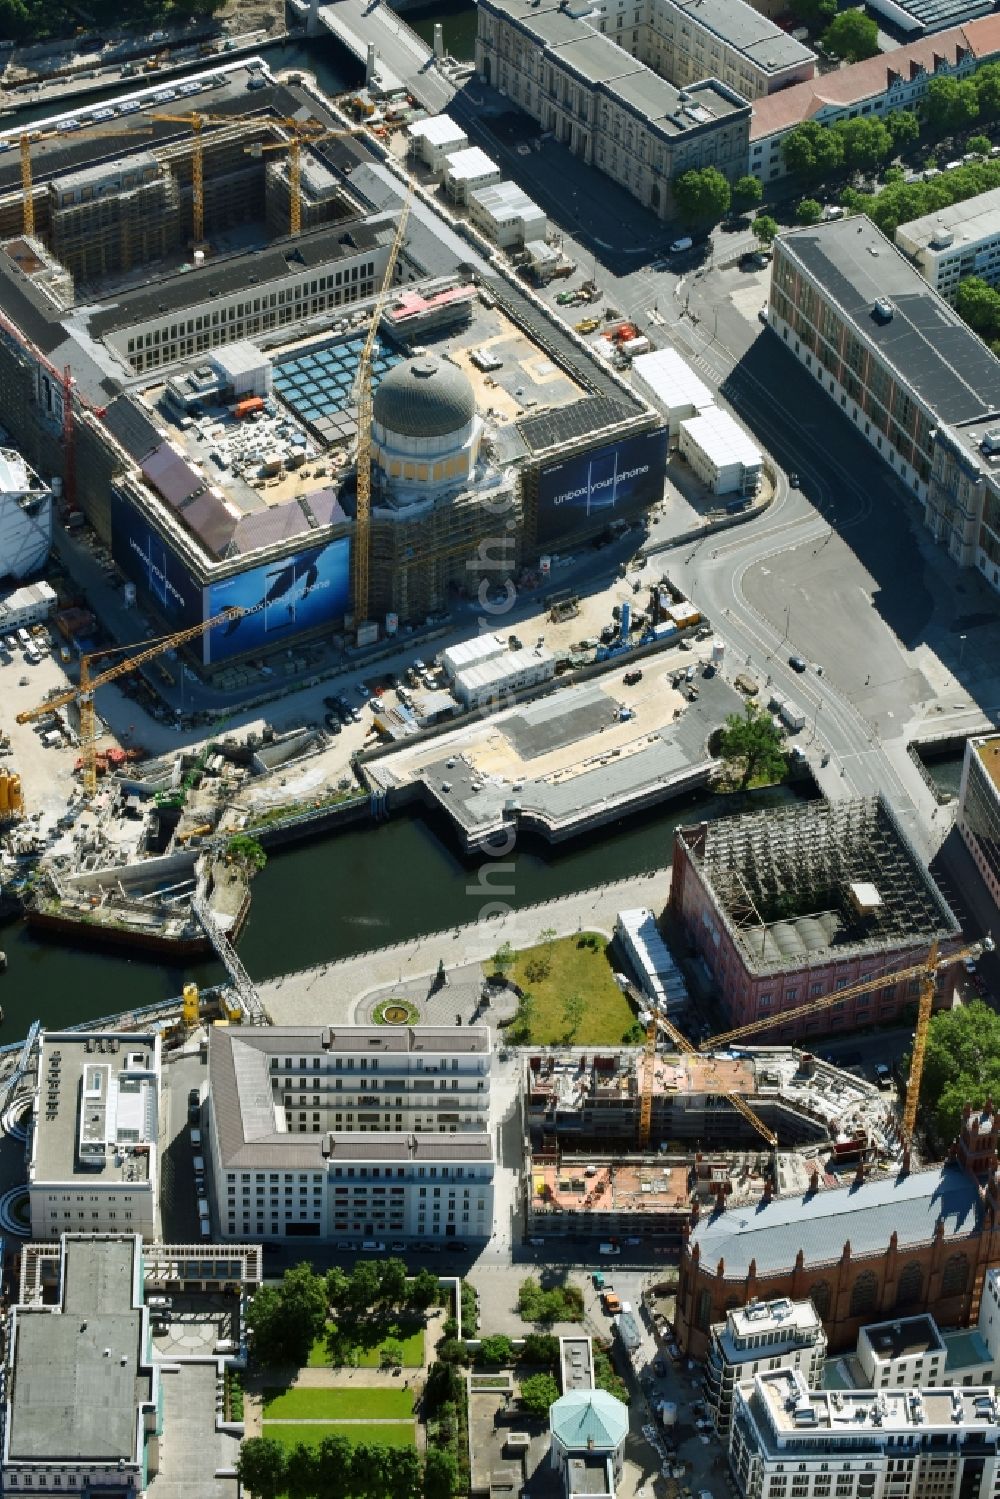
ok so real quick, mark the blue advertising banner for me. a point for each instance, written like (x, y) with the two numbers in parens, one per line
(156, 570)
(602, 485)
(281, 600)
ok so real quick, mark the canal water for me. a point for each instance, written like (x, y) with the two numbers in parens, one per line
(365, 887)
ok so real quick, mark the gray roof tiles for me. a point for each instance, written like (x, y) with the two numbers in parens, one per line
(771, 1234)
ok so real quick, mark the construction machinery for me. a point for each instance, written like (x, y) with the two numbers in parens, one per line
(656, 1023)
(84, 693)
(363, 398)
(31, 138)
(926, 973)
(301, 133)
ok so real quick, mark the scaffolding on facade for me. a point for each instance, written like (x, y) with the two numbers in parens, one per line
(822, 880)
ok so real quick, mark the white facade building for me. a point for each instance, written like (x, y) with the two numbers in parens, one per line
(597, 78)
(27, 606)
(787, 1439)
(490, 680)
(93, 1148)
(670, 384)
(749, 1342)
(471, 652)
(25, 517)
(720, 452)
(435, 139)
(506, 215)
(960, 240)
(355, 1132)
(467, 171)
(660, 978)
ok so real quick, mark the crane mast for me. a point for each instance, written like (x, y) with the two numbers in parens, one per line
(84, 693)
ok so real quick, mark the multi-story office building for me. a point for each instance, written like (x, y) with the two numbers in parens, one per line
(93, 1151)
(962, 239)
(979, 808)
(354, 1132)
(791, 1441)
(580, 77)
(904, 369)
(764, 1335)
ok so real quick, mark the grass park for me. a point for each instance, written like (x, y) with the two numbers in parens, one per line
(360, 1346)
(573, 968)
(358, 1404)
(311, 1433)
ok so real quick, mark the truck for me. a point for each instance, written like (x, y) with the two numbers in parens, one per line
(611, 1303)
(247, 407)
(792, 717)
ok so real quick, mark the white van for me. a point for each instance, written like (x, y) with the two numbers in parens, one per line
(609, 1249)
(373, 1246)
(680, 245)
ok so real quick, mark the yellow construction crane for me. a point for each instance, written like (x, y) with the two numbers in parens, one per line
(299, 135)
(659, 1021)
(927, 974)
(197, 120)
(84, 693)
(31, 138)
(363, 398)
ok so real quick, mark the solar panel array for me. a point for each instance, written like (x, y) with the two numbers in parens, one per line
(316, 385)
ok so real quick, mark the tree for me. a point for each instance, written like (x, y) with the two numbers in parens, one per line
(287, 1319)
(503, 959)
(540, 1348)
(765, 228)
(391, 1354)
(334, 1461)
(364, 1285)
(980, 144)
(404, 1474)
(979, 305)
(904, 129)
(440, 1474)
(813, 13)
(701, 197)
(574, 1008)
(750, 746)
(247, 852)
(337, 1286)
(369, 1470)
(261, 1467)
(852, 35)
(986, 82)
(746, 193)
(961, 1065)
(423, 1289)
(452, 1351)
(949, 106)
(808, 211)
(496, 1350)
(538, 1392)
(392, 1281)
(812, 151)
(866, 143)
(302, 1472)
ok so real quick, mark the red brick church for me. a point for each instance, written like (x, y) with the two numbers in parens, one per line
(915, 1242)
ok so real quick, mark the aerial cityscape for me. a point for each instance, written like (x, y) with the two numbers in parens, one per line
(500, 749)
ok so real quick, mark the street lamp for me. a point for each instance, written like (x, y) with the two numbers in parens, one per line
(961, 649)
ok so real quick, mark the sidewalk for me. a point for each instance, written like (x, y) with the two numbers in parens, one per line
(331, 993)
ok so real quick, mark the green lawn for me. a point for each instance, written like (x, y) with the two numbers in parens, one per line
(569, 969)
(366, 1341)
(311, 1433)
(336, 1405)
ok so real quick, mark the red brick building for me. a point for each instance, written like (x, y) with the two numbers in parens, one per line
(786, 906)
(919, 1242)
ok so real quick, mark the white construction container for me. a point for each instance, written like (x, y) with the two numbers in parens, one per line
(468, 171)
(435, 139)
(720, 452)
(663, 379)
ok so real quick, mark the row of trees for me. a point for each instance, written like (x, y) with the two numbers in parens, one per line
(899, 202)
(951, 106)
(705, 196)
(339, 1469)
(287, 1319)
